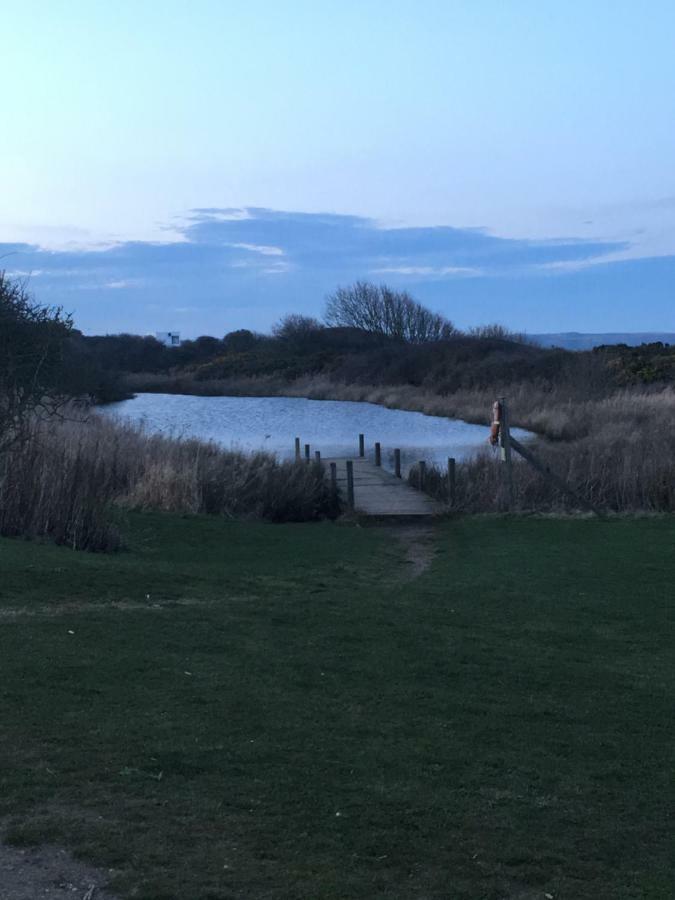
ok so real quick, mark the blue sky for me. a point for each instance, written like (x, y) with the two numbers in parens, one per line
(211, 165)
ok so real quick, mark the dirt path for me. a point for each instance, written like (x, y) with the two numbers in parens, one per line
(34, 873)
(417, 543)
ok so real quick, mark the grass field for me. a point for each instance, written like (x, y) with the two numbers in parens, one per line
(253, 711)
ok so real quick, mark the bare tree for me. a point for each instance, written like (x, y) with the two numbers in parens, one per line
(381, 310)
(295, 325)
(499, 332)
(33, 347)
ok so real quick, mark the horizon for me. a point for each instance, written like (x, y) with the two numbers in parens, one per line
(222, 167)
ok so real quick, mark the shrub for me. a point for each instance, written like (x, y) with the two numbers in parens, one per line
(55, 484)
(102, 465)
(33, 374)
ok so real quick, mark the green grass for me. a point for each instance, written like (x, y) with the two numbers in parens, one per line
(286, 716)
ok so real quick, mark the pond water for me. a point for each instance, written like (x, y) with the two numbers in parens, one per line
(331, 426)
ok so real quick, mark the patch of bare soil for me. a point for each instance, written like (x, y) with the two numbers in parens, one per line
(417, 543)
(37, 872)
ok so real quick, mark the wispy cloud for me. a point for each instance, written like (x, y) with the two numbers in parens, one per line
(428, 271)
(121, 284)
(262, 249)
(24, 273)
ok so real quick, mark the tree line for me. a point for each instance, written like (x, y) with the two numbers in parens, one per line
(368, 332)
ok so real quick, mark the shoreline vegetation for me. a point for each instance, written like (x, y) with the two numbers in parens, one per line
(615, 450)
(604, 419)
(72, 480)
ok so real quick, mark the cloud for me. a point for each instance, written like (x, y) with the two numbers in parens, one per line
(260, 248)
(22, 274)
(431, 271)
(121, 284)
(245, 268)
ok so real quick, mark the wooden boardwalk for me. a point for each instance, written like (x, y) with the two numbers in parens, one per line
(379, 493)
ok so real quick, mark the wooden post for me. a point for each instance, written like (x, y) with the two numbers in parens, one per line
(333, 477)
(505, 445)
(397, 463)
(317, 456)
(350, 483)
(451, 480)
(297, 449)
(307, 452)
(362, 445)
(378, 454)
(423, 474)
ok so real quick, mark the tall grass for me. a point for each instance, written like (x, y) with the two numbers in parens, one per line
(617, 448)
(56, 484)
(623, 461)
(618, 451)
(66, 480)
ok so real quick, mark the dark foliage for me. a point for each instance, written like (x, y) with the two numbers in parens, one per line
(353, 355)
(646, 364)
(34, 370)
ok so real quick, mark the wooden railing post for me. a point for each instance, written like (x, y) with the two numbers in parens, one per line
(423, 474)
(397, 463)
(307, 448)
(451, 480)
(333, 478)
(505, 444)
(317, 456)
(378, 454)
(350, 483)
(362, 445)
(297, 449)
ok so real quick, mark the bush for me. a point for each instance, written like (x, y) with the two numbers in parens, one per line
(55, 484)
(102, 465)
(34, 374)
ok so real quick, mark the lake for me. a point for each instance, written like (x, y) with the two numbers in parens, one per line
(331, 426)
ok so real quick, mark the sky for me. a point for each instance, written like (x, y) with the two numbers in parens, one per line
(213, 165)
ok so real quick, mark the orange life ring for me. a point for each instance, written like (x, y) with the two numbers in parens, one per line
(496, 422)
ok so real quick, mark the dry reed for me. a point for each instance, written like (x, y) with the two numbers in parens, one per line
(65, 481)
(614, 447)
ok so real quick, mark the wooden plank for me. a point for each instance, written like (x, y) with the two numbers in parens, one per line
(379, 493)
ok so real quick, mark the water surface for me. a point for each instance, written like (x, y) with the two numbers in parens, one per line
(331, 426)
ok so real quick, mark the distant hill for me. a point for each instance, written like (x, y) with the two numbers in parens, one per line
(576, 340)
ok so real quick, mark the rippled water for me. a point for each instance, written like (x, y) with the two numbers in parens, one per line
(331, 426)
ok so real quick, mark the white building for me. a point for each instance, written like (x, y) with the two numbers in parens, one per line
(168, 338)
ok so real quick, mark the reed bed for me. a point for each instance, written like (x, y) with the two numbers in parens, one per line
(617, 468)
(68, 480)
(616, 450)
(613, 447)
